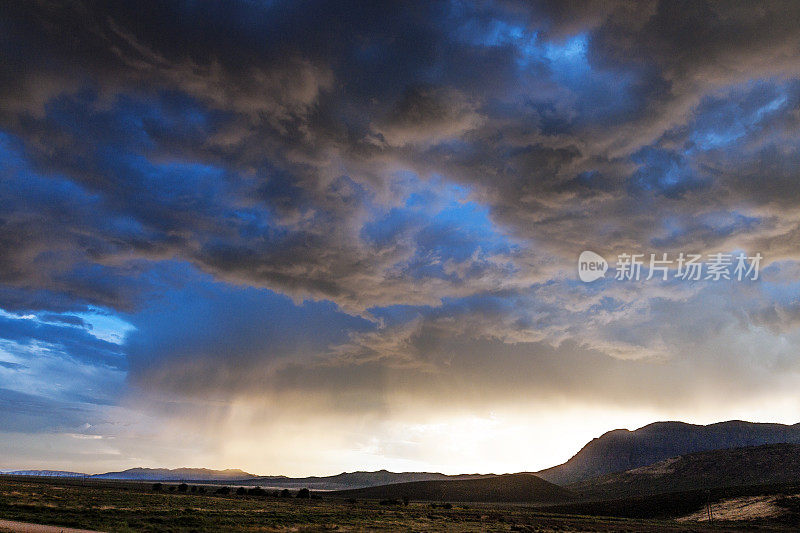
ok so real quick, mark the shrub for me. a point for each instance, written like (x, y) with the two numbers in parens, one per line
(223, 490)
(183, 487)
(303, 493)
(285, 493)
(157, 487)
(241, 491)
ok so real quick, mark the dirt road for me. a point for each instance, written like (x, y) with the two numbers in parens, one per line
(22, 527)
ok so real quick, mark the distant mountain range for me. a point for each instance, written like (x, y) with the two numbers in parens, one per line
(506, 488)
(621, 450)
(42, 473)
(618, 451)
(345, 480)
(145, 474)
(354, 480)
(177, 474)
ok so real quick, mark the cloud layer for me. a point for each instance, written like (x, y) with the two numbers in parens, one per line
(320, 209)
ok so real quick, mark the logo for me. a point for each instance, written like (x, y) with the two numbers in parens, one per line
(591, 266)
(720, 266)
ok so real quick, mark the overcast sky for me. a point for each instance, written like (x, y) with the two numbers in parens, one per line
(308, 237)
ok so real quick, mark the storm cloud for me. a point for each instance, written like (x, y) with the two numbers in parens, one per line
(349, 208)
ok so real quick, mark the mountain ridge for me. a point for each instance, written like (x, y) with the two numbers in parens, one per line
(357, 479)
(619, 450)
(341, 481)
(42, 473)
(176, 474)
(767, 464)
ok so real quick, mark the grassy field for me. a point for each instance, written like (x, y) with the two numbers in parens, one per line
(115, 506)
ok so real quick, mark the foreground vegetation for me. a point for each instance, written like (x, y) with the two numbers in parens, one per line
(118, 506)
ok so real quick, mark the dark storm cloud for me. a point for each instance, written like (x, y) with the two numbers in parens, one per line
(281, 125)
(435, 168)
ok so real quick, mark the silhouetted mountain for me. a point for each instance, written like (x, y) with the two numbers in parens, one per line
(620, 450)
(345, 480)
(355, 480)
(753, 465)
(177, 474)
(43, 473)
(509, 488)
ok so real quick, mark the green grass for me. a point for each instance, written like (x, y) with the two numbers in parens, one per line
(127, 507)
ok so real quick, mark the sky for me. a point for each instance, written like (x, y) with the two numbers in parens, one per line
(313, 237)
